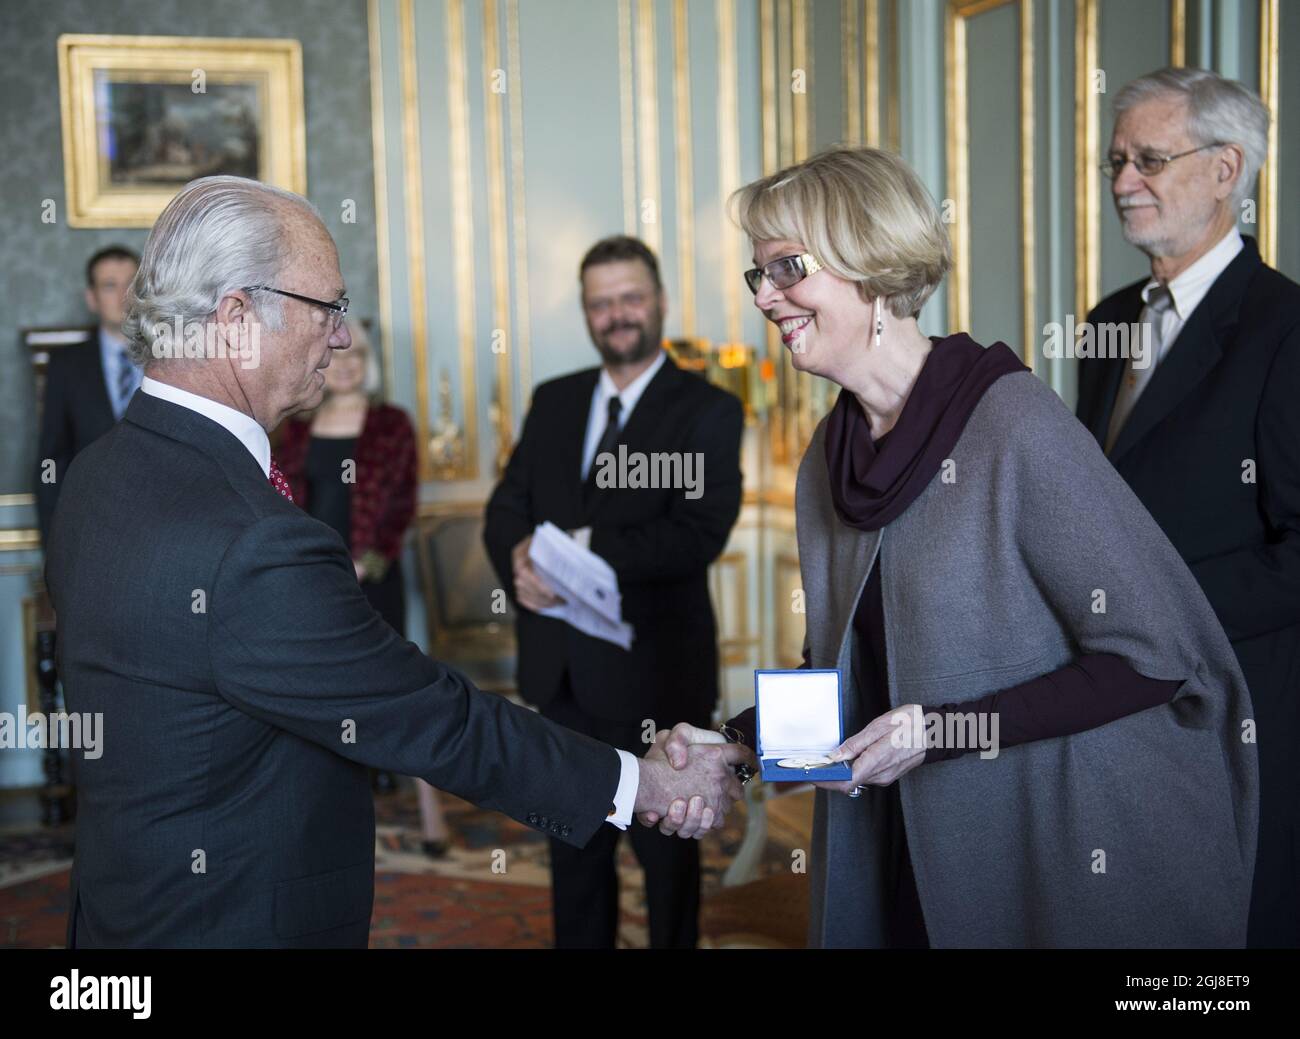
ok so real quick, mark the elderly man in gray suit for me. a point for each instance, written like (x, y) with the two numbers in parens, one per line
(243, 681)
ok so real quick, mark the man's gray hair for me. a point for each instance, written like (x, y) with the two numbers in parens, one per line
(219, 234)
(1219, 111)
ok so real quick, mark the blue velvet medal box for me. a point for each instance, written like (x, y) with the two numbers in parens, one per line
(799, 716)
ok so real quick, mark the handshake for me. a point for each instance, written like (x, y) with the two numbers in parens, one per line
(688, 781)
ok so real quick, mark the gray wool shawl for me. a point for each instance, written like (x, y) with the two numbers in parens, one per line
(1140, 832)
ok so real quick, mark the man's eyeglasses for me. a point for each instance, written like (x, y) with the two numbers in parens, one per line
(782, 272)
(1147, 164)
(336, 311)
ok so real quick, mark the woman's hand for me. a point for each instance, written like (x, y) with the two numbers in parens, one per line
(889, 747)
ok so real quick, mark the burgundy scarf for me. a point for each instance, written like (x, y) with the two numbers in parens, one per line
(871, 487)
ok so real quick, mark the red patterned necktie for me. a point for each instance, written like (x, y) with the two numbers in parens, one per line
(279, 482)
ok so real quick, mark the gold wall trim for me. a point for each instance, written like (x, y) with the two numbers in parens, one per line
(413, 192)
(1028, 224)
(767, 79)
(871, 73)
(1268, 89)
(19, 540)
(380, 154)
(802, 58)
(7, 500)
(462, 227)
(895, 78)
(647, 123)
(1178, 32)
(626, 117)
(498, 233)
(729, 162)
(958, 163)
(1087, 183)
(523, 333)
(685, 165)
(851, 67)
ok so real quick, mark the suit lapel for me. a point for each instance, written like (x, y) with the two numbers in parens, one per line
(1195, 352)
(572, 438)
(1109, 372)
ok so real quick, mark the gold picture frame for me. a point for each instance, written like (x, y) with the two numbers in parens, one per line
(144, 114)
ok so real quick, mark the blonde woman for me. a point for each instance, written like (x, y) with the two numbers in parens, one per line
(974, 567)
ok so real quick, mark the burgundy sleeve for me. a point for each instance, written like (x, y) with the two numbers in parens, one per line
(1093, 690)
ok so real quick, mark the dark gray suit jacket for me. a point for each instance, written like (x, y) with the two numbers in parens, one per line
(245, 685)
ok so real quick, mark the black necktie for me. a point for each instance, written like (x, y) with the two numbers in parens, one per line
(608, 442)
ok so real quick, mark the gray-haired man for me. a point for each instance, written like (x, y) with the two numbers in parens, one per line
(243, 680)
(1208, 433)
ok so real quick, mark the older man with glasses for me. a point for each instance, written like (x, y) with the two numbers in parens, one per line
(1204, 426)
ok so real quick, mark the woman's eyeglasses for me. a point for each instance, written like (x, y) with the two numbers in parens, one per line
(335, 312)
(783, 272)
(1147, 164)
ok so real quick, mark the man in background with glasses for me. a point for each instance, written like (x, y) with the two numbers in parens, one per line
(1208, 432)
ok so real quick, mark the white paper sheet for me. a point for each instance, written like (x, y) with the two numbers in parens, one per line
(586, 583)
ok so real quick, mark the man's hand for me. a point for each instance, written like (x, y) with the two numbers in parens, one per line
(675, 747)
(691, 799)
(530, 590)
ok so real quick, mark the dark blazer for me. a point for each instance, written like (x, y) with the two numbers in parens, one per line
(245, 685)
(659, 542)
(1224, 401)
(383, 498)
(76, 412)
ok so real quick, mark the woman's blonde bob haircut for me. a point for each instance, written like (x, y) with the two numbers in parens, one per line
(863, 214)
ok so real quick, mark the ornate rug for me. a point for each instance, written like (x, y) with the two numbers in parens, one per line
(491, 891)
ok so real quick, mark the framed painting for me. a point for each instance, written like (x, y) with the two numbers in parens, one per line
(143, 115)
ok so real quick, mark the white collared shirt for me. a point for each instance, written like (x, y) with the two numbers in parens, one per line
(598, 416)
(1190, 287)
(245, 428)
(247, 431)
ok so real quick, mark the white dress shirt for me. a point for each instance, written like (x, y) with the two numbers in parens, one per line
(598, 416)
(247, 431)
(1190, 287)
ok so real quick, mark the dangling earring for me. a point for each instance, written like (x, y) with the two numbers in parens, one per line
(880, 324)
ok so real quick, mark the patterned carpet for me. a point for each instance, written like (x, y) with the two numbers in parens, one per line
(491, 891)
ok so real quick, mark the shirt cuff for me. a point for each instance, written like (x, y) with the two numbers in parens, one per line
(583, 536)
(629, 781)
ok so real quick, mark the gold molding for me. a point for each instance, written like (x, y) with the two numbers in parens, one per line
(413, 195)
(850, 67)
(1269, 27)
(1087, 183)
(379, 148)
(729, 162)
(498, 235)
(767, 79)
(895, 78)
(462, 228)
(958, 164)
(626, 117)
(871, 73)
(1177, 32)
(19, 540)
(801, 57)
(519, 206)
(682, 149)
(735, 640)
(647, 124)
(7, 500)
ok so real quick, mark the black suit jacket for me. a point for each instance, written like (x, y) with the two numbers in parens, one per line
(76, 412)
(245, 686)
(1226, 399)
(659, 542)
